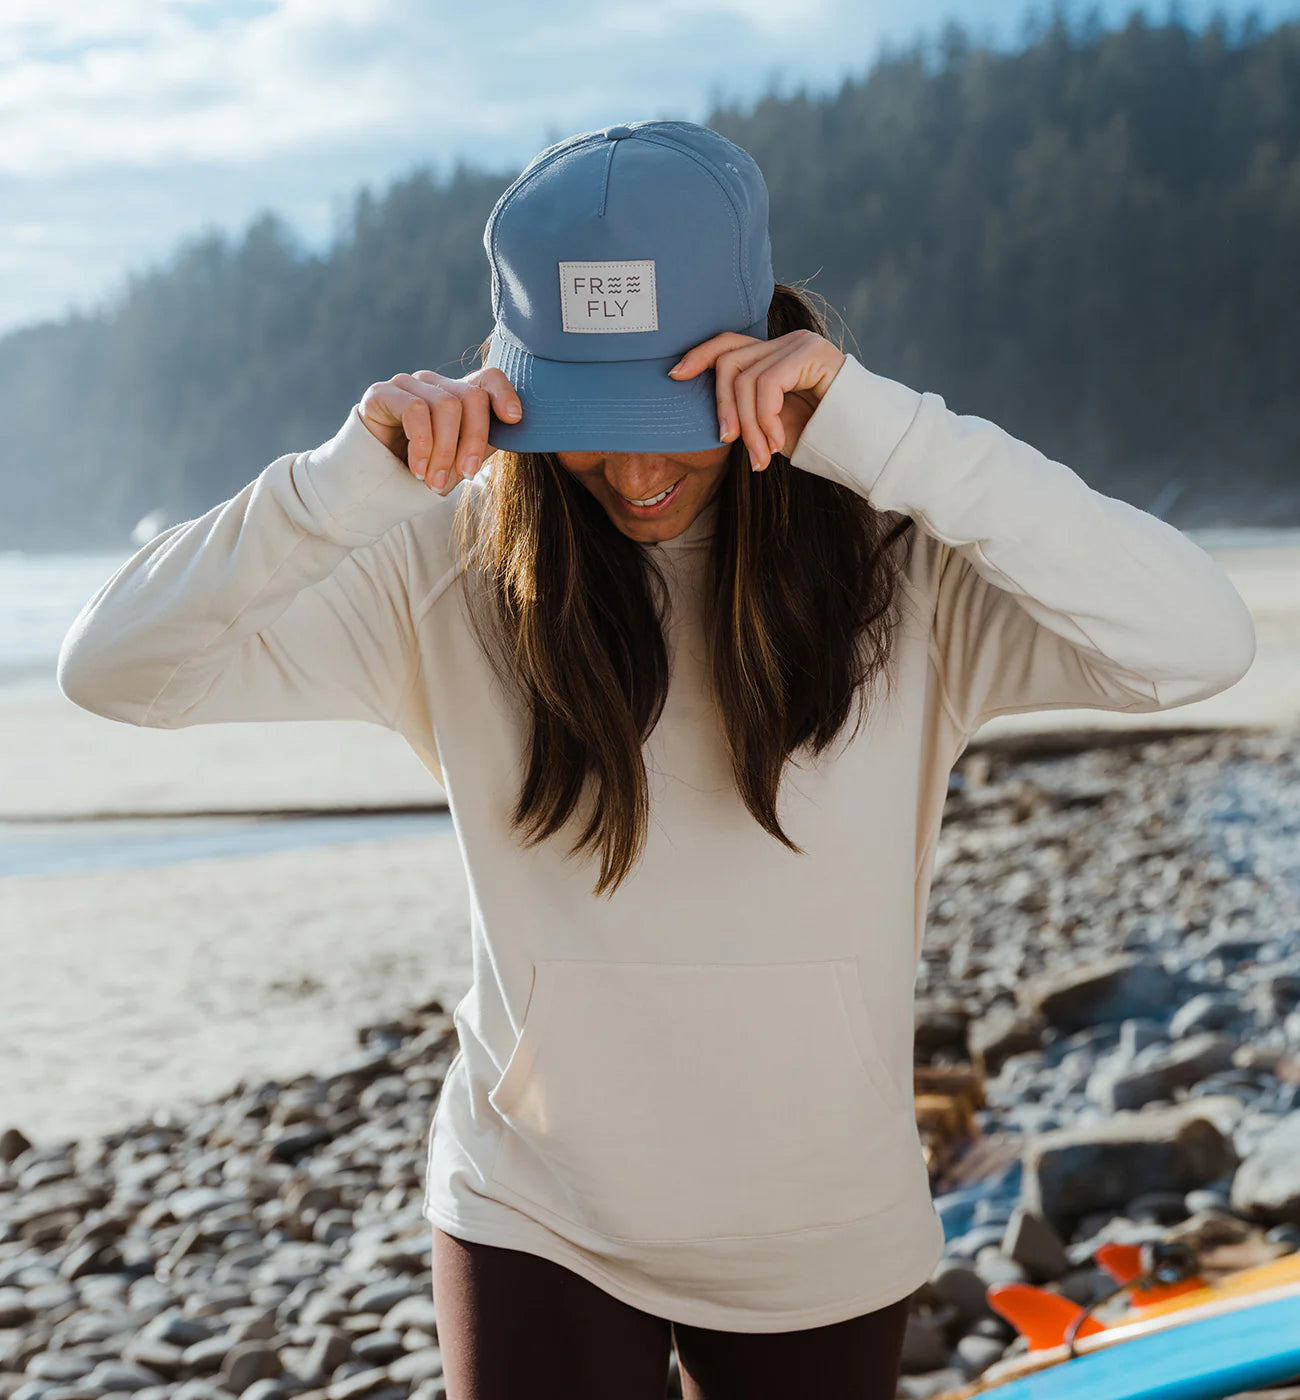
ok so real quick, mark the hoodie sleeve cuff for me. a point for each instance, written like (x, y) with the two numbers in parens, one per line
(355, 488)
(855, 428)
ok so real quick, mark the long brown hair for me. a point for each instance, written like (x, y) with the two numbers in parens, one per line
(799, 615)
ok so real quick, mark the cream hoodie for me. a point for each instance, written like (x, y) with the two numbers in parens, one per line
(698, 1093)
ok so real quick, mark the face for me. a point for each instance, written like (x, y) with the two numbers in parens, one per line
(619, 479)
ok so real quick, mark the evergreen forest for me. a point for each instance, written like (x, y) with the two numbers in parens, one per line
(1092, 240)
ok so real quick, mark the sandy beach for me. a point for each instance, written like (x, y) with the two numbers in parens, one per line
(135, 988)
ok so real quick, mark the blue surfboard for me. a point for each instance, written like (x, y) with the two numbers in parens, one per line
(1206, 1359)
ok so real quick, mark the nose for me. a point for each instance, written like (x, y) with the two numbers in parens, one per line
(639, 474)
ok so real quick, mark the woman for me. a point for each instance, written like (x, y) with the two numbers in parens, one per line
(680, 1113)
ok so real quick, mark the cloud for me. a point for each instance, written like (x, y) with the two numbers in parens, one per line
(140, 85)
(144, 84)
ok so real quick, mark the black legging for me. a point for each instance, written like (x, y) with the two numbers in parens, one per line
(515, 1326)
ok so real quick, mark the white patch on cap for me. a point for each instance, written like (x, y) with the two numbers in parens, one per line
(605, 297)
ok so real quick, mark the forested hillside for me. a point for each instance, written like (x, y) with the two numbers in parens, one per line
(1094, 241)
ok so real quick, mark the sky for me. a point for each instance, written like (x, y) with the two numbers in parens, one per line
(128, 126)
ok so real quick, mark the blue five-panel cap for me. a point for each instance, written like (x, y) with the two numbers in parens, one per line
(612, 254)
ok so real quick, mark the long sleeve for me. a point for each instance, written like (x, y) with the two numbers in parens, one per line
(1047, 593)
(288, 601)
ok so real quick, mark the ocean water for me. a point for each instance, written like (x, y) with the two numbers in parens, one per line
(40, 596)
(79, 847)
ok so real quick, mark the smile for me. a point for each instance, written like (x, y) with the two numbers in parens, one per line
(652, 503)
(653, 500)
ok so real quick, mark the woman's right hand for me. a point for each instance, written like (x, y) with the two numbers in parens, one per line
(439, 426)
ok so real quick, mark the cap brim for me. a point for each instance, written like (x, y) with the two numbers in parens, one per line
(605, 405)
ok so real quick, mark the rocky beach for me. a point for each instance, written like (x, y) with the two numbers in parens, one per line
(1113, 944)
(227, 1035)
(1114, 941)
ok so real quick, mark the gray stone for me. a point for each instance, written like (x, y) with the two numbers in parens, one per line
(1158, 1207)
(329, 1350)
(1206, 1198)
(975, 1353)
(1005, 1031)
(1266, 1187)
(379, 1347)
(414, 1311)
(180, 1331)
(258, 1326)
(48, 1299)
(957, 1284)
(157, 1355)
(932, 1383)
(266, 1389)
(367, 1383)
(13, 1143)
(91, 1257)
(1208, 1011)
(208, 1354)
(246, 1363)
(185, 1205)
(969, 1244)
(995, 1268)
(53, 1198)
(1135, 1034)
(1035, 1246)
(925, 1348)
(61, 1365)
(1178, 1065)
(1109, 989)
(383, 1296)
(198, 1389)
(324, 1308)
(1071, 1171)
(938, 1024)
(417, 1366)
(123, 1375)
(14, 1307)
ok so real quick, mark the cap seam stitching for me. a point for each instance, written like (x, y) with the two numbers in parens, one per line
(660, 139)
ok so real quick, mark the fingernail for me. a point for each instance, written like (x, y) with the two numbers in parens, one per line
(439, 478)
(675, 368)
(471, 465)
(753, 462)
(512, 410)
(420, 469)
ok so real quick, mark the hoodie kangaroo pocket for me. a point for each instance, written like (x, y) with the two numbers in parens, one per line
(680, 1101)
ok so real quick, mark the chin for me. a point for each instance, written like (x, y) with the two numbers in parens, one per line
(650, 531)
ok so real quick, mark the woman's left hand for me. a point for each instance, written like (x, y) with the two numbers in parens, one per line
(767, 389)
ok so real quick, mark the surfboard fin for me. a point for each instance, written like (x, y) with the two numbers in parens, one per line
(1040, 1316)
(1123, 1262)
